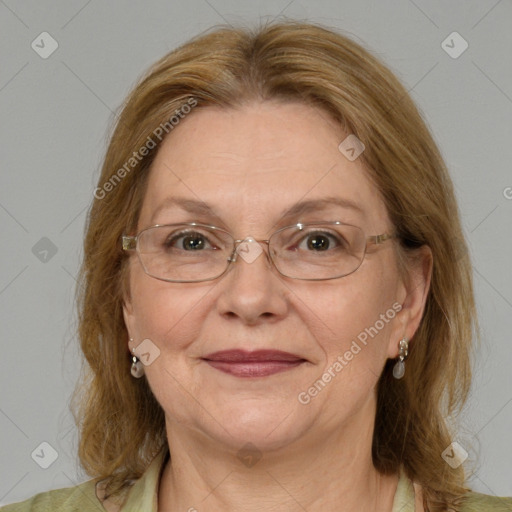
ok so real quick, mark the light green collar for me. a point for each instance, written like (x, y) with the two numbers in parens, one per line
(144, 493)
(404, 495)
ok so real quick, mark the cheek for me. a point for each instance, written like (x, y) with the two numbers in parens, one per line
(167, 313)
(354, 318)
(353, 334)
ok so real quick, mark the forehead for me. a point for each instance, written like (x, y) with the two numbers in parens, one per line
(253, 163)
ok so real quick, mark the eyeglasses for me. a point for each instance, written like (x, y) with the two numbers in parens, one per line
(193, 252)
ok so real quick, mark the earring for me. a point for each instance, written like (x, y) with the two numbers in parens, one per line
(403, 351)
(137, 369)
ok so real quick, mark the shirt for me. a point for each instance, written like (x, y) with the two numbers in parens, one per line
(142, 496)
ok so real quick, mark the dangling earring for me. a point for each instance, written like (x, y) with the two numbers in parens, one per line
(137, 369)
(403, 350)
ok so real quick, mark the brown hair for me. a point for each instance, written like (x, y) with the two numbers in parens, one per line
(121, 424)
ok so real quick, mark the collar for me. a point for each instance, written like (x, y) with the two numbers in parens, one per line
(404, 500)
(144, 493)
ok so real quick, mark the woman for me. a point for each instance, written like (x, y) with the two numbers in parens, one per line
(274, 306)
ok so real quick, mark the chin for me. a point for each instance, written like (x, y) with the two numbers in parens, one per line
(267, 426)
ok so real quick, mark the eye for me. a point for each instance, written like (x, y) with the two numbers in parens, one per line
(320, 241)
(188, 241)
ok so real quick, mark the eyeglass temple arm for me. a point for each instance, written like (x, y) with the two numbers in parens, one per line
(129, 242)
(379, 239)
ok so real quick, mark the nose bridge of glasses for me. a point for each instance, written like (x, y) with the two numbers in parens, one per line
(249, 249)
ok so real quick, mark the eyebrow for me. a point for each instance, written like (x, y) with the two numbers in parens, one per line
(300, 208)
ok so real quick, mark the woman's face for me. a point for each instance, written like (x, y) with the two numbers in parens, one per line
(250, 166)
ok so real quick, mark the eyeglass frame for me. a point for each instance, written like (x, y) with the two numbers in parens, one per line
(130, 243)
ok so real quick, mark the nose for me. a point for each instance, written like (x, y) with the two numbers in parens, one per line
(252, 290)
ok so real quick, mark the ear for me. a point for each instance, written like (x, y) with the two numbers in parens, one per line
(412, 294)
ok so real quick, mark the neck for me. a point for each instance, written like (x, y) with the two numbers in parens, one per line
(336, 474)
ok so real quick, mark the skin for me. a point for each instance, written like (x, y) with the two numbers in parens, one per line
(250, 165)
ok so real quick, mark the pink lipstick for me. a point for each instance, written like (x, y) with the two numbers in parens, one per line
(259, 363)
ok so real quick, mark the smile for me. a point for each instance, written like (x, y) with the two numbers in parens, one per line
(254, 368)
(260, 363)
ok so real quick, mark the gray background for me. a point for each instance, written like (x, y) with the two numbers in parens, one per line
(55, 114)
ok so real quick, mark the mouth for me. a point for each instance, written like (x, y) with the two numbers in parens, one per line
(260, 363)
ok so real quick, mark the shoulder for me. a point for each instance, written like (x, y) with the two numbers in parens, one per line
(476, 502)
(469, 502)
(137, 494)
(71, 499)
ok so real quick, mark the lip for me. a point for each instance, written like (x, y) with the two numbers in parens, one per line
(237, 356)
(259, 363)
